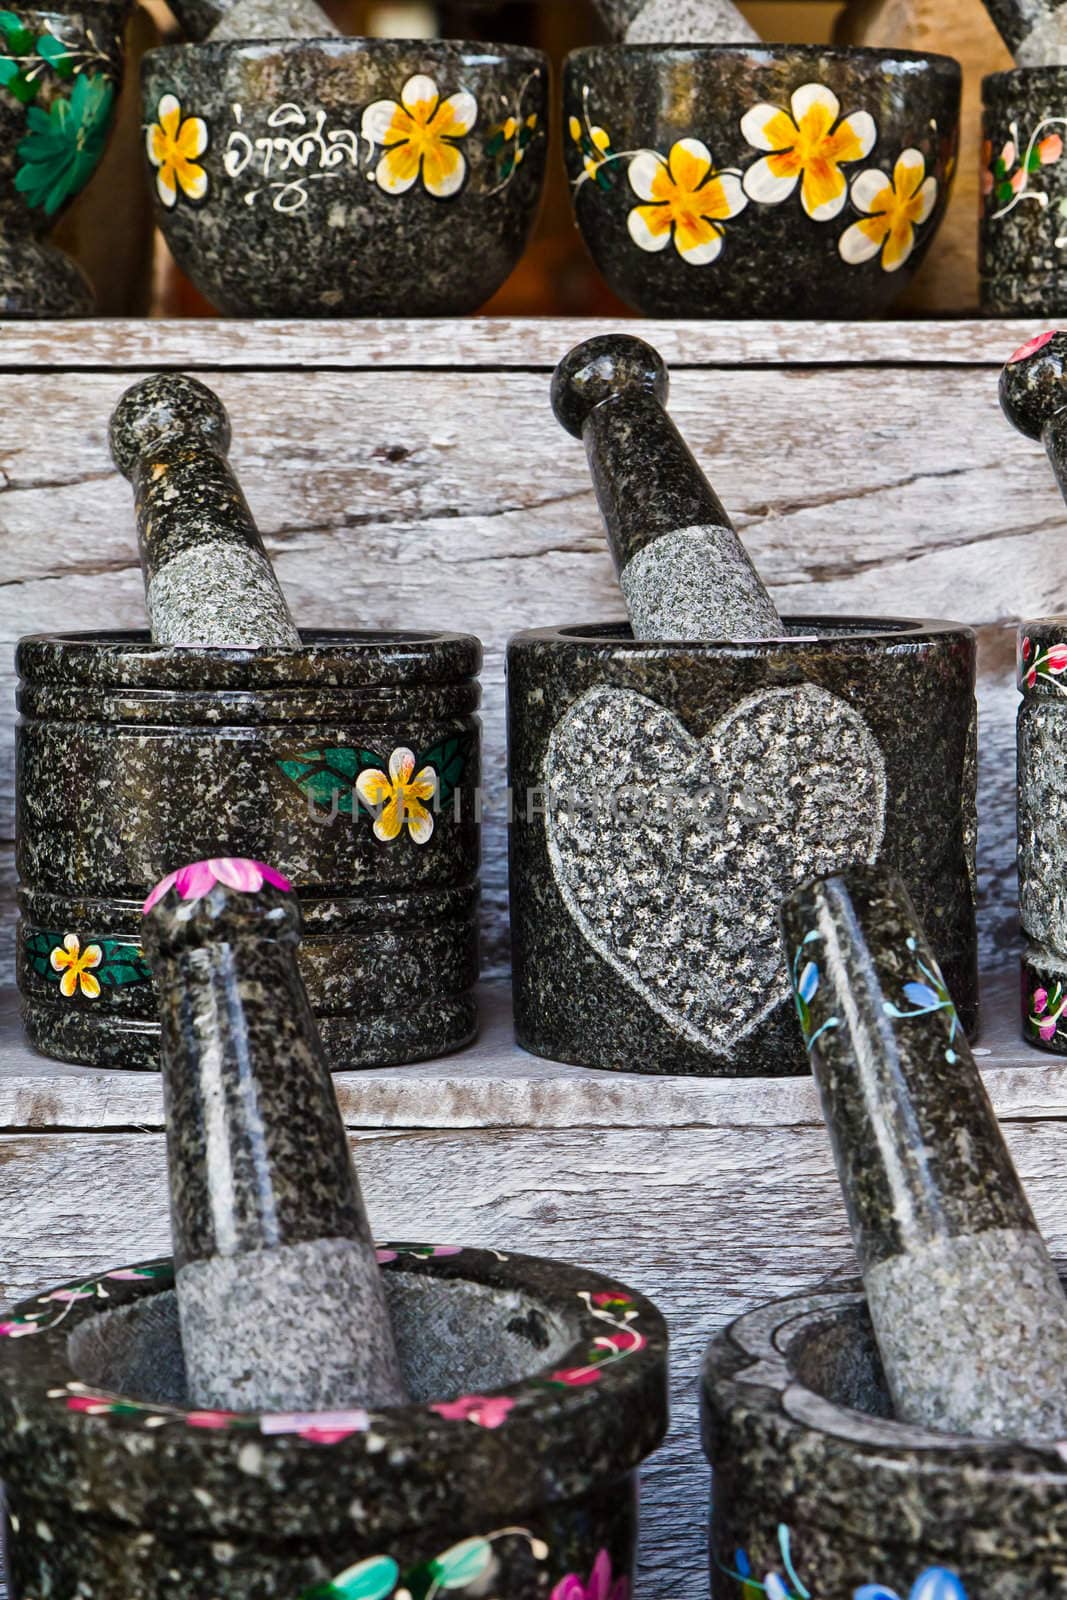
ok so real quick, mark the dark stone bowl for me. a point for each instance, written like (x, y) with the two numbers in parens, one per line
(814, 1482)
(64, 67)
(1023, 235)
(538, 1391)
(681, 211)
(134, 759)
(297, 208)
(666, 797)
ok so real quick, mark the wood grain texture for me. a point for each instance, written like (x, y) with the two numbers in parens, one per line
(410, 498)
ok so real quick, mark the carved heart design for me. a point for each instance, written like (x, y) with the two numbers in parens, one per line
(673, 855)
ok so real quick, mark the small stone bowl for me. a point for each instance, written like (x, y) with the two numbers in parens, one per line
(651, 849)
(1023, 234)
(538, 1390)
(306, 189)
(815, 1483)
(691, 204)
(135, 758)
(63, 67)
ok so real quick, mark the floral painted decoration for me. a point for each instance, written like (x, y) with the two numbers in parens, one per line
(806, 978)
(601, 1584)
(809, 144)
(685, 201)
(421, 1252)
(471, 1564)
(200, 877)
(618, 1313)
(893, 208)
(936, 1583)
(57, 1303)
(102, 964)
(1046, 665)
(485, 1411)
(594, 144)
(1046, 1011)
(785, 1585)
(64, 143)
(26, 57)
(419, 138)
(1007, 179)
(174, 144)
(927, 996)
(361, 783)
(396, 797)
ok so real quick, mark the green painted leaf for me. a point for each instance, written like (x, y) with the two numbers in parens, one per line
(17, 36)
(57, 54)
(326, 774)
(495, 144)
(1004, 193)
(374, 1579)
(463, 1564)
(1033, 161)
(21, 87)
(999, 169)
(449, 760)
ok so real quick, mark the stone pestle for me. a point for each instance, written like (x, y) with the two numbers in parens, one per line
(208, 580)
(203, 21)
(279, 1291)
(685, 574)
(1033, 396)
(676, 22)
(967, 1308)
(1035, 31)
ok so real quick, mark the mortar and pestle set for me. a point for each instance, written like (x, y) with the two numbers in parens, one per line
(677, 776)
(714, 175)
(298, 173)
(271, 1415)
(350, 760)
(1024, 173)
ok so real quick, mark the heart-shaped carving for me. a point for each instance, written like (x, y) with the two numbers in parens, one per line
(673, 855)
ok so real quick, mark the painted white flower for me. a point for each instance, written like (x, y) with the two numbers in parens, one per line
(419, 137)
(686, 201)
(808, 145)
(894, 208)
(173, 143)
(398, 797)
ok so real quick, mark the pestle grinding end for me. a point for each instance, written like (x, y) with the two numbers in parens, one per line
(163, 412)
(1033, 383)
(603, 369)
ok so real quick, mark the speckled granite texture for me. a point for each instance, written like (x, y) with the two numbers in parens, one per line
(266, 1211)
(135, 758)
(1023, 230)
(511, 1474)
(676, 21)
(814, 1481)
(692, 206)
(63, 67)
(684, 572)
(648, 781)
(208, 580)
(349, 177)
(1035, 31)
(967, 1309)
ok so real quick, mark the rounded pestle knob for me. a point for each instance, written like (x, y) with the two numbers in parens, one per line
(208, 580)
(683, 571)
(280, 1298)
(676, 22)
(201, 20)
(1033, 385)
(966, 1304)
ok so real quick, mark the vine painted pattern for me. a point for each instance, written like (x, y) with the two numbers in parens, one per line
(783, 1582)
(398, 792)
(471, 1564)
(1041, 665)
(85, 970)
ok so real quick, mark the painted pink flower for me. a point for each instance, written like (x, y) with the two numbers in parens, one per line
(427, 1252)
(1031, 347)
(1057, 658)
(199, 877)
(209, 1419)
(1017, 180)
(1007, 155)
(94, 1405)
(16, 1330)
(576, 1377)
(1040, 1000)
(987, 182)
(608, 1297)
(1025, 646)
(1047, 1029)
(629, 1340)
(319, 1427)
(69, 1296)
(600, 1585)
(1031, 678)
(488, 1411)
(1050, 149)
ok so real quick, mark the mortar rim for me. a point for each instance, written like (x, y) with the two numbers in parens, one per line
(471, 52)
(862, 632)
(772, 51)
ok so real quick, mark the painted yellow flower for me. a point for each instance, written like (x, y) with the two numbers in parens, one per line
(74, 963)
(419, 137)
(895, 207)
(595, 145)
(808, 146)
(686, 201)
(173, 145)
(396, 797)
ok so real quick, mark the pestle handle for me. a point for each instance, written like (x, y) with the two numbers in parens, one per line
(252, 19)
(1033, 396)
(967, 1307)
(279, 1290)
(683, 570)
(676, 22)
(208, 580)
(1035, 31)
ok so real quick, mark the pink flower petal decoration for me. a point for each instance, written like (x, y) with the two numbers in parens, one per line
(1031, 347)
(1050, 149)
(197, 879)
(1040, 1000)
(320, 1427)
(209, 1419)
(1047, 1030)
(487, 1411)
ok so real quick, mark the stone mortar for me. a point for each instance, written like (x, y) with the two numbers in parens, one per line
(1023, 230)
(134, 759)
(646, 775)
(815, 1482)
(304, 201)
(1042, 805)
(538, 1389)
(644, 121)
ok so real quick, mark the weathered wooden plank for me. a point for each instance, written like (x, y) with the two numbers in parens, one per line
(707, 1221)
(494, 342)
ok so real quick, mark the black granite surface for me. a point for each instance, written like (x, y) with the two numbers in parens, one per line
(1024, 186)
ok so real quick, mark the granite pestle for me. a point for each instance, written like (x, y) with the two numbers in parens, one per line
(685, 574)
(1035, 31)
(208, 580)
(279, 1291)
(1033, 396)
(676, 22)
(967, 1308)
(204, 21)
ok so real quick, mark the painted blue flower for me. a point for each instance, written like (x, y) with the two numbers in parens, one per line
(809, 981)
(936, 1583)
